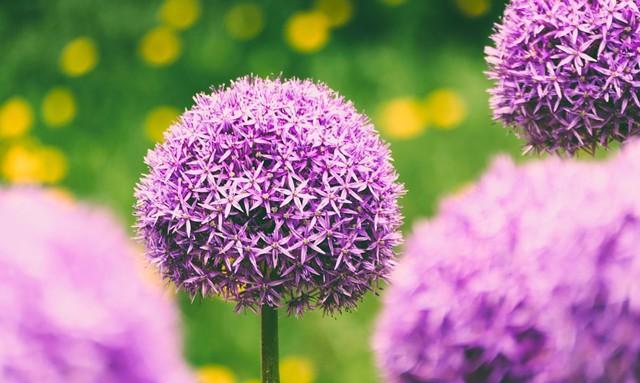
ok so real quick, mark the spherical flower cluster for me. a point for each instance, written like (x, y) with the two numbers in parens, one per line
(271, 192)
(567, 73)
(74, 307)
(529, 276)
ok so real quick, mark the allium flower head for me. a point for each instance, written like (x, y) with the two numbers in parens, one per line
(530, 276)
(271, 192)
(567, 73)
(74, 307)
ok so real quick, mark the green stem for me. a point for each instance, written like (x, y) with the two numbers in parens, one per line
(270, 368)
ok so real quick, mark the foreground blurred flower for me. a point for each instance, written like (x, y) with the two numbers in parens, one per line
(271, 193)
(73, 306)
(529, 276)
(566, 72)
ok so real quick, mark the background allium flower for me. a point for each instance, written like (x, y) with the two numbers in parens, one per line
(567, 73)
(74, 307)
(529, 276)
(271, 192)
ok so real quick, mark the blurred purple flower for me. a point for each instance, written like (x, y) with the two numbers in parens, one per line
(74, 307)
(272, 192)
(530, 276)
(566, 71)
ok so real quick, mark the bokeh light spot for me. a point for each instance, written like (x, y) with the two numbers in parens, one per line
(244, 21)
(402, 118)
(294, 369)
(20, 165)
(16, 118)
(158, 120)
(394, 3)
(58, 107)
(160, 46)
(473, 8)
(79, 57)
(307, 31)
(180, 14)
(53, 164)
(339, 12)
(29, 163)
(215, 374)
(446, 108)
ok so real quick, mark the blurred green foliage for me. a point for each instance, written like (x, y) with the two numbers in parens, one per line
(382, 53)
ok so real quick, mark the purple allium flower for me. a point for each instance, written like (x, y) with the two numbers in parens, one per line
(74, 307)
(566, 71)
(530, 276)
(271, 192)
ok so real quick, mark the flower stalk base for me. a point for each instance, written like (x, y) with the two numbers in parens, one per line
(270, 362)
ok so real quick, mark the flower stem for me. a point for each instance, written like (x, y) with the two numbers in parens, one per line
(270, 368)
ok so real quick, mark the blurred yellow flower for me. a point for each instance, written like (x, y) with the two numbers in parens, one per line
(30, 163)
(53, 163)
(20, 165)
(158, 120)
(445, 108)
(339, 12)
(473, 8)
(215, 374)
(78, 57)
(180, 14)
(244, 21)
(402, 118)
(58, 107)
(307, 31)
(160, 46)
(394, 3)
(16, 117)
(294, 369)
